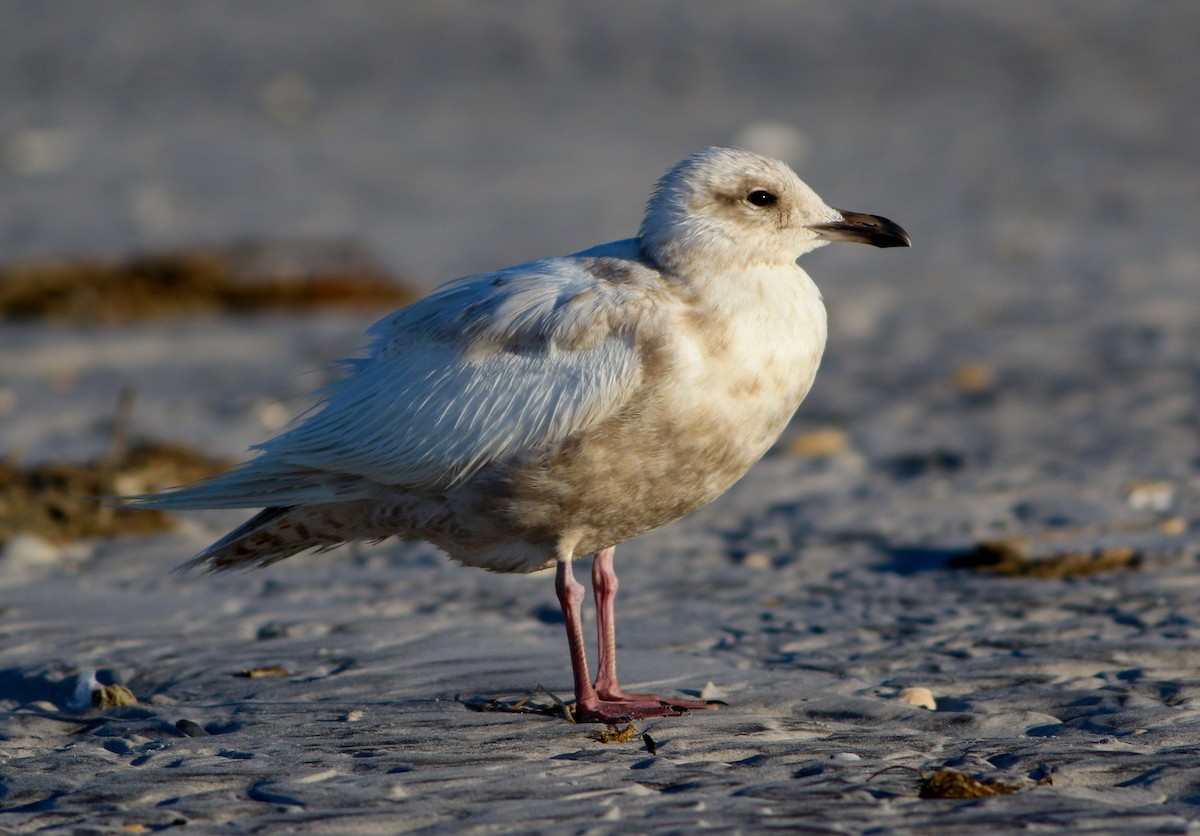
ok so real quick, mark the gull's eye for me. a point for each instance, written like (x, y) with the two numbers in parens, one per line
(761, 197)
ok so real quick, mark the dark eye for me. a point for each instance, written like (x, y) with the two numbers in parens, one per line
(761, 197)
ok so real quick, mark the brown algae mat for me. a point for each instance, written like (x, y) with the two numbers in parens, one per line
(236, 278)
(62, 502)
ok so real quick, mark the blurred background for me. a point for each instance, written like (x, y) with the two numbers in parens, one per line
(1044, 156)
(454, 137)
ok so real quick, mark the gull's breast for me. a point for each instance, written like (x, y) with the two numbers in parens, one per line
(719, 387)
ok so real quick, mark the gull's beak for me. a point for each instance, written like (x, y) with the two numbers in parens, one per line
(864, 229)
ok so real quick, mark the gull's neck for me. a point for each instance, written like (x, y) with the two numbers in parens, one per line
(729, 279)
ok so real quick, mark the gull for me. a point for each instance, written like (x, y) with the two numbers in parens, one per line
(525, 418)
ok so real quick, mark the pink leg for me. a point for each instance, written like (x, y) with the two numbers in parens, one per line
(604, 586)
(570, 598)
(589, 707)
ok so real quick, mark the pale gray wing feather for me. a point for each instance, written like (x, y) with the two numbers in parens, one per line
(487, 367)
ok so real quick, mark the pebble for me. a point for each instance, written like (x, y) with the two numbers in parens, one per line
(818, 443)
(974, 378)
(1175, 525)
(756, 560)
(190, 728)
(1150, 494)
(920, 697)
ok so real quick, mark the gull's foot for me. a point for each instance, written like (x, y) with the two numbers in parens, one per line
(634, 707)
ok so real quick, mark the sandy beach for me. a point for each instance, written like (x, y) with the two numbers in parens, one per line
(1019, 391)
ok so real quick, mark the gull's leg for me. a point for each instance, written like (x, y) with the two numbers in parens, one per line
(604, 587)
(570, 598)
(589, 707)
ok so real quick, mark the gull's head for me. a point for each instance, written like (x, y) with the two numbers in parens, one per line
(732, 207)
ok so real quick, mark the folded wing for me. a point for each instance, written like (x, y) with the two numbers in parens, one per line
(486, 368)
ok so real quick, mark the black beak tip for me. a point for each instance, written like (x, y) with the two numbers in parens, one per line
(881, 232)
(897, 237)
(866, 229)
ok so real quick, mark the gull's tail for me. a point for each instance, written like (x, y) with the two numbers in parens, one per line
(279, 532)
(304, 509)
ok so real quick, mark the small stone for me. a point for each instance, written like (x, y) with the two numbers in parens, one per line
(1174, 525)
(190, 728)
(352, 716)
(756, 560)
(1150, 494)
(920, 697)
(844, 756)
(711, 693)
(974, 378)
(820, 443)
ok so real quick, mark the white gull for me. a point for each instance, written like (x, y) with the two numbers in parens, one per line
(549, 411)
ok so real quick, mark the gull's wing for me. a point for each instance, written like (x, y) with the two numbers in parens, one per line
(487, 367)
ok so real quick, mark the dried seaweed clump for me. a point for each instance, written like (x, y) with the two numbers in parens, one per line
(58, 501)
(238, 278)
(1009, 557)
(111, 696)
(612, 734)
(948, 783)
(1069, 552)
